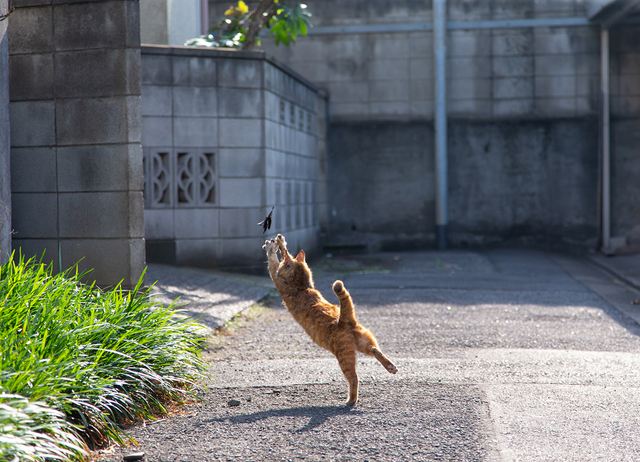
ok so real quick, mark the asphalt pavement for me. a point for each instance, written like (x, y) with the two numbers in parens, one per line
(503, 355)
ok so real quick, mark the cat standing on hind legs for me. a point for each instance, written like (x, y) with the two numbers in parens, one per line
(333, 327)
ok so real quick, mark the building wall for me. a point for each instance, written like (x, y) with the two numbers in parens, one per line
(379, 184)
(170, 22)
(625, 132)
(154, 22)
(5, 179)
(76, 158)
(227, 136)
(514, 95)
(183, 21)
(534, 181)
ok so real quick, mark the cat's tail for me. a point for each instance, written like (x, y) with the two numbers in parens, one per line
(347, 312)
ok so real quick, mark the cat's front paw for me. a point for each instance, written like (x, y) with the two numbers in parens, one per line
(270, 246)
(281, 243)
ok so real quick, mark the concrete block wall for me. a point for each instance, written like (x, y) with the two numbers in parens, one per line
(170, 22)
(154, 22)
(625, 130)
(545, 193)
(519, 100)
(75, 114)
(226, 137)
(379, 183)
(5, 178)
(292, 162)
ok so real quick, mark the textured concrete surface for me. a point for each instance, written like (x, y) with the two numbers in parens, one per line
(75, 135)
(506, 181)
(258, 126)
(502, 356)
(153, 22)
(523, 108)
(625, 267)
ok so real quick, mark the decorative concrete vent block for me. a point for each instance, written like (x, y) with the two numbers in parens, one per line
(226, 136)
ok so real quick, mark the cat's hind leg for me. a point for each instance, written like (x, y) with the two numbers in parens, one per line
(388, 365)
(347, 360)
(367, 344)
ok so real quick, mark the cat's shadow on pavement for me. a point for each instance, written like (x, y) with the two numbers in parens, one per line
(317, 415)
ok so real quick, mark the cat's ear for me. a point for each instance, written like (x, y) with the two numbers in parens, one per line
(301, 256)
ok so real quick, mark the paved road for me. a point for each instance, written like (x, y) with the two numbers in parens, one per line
(502, 355)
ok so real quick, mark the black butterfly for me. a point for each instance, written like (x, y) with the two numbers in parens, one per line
(266, 223)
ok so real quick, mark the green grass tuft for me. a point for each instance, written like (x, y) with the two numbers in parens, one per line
(103, 358)
(32, 431)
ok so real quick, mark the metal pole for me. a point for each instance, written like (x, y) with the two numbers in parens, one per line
(204, 17)
(440, 121)
(606, 153)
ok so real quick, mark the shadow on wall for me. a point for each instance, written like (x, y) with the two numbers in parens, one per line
(530, 182)
(381, 178)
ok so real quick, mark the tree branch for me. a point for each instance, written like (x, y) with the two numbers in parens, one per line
(257, 23)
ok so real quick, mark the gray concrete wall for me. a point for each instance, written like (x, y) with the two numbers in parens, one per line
(500, 73)
(183, 21)
(625, 132)
(380, 192)
(227, 135)
(382, 182)
(5, 178)
(533, 181)
(545, 78)
(154, 22)
(169, 22)
(76, 158)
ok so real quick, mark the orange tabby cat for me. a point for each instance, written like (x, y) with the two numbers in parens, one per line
(333, 328)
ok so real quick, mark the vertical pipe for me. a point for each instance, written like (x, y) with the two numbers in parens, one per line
(5, 143)
(440, 121)
(606, 162)
(204, 17)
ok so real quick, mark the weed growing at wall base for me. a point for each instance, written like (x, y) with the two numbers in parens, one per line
(76, 360)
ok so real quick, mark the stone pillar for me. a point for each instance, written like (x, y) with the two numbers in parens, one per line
(76, 158)
(5, 179)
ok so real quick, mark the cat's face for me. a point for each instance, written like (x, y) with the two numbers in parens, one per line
(294, 271)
